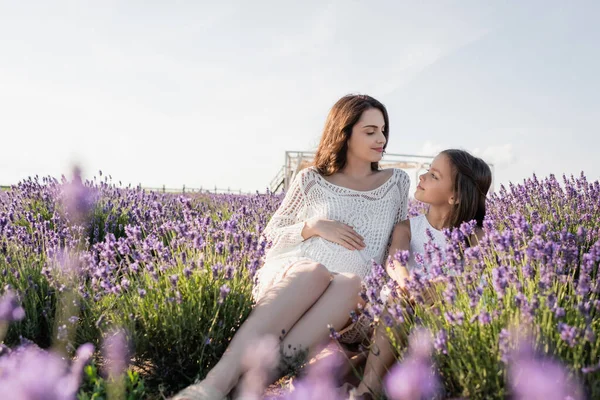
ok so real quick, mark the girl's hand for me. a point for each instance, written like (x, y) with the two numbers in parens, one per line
(336, 232)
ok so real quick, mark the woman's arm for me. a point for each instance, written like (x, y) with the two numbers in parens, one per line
(289, 226)
(403, 186)
(286, 225)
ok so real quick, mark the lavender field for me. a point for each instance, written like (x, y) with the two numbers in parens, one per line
(114, 292)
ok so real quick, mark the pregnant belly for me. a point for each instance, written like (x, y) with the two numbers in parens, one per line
(336, 257)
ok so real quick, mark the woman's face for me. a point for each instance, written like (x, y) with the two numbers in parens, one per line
(436, 186)
(367, 139)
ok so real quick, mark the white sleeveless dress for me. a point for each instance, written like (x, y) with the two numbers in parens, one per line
(418, 237)
(371, 213)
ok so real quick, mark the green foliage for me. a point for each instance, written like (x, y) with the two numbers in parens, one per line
(95, 387)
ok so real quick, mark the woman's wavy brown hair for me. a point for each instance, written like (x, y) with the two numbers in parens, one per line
(472, 179)
(345, 113)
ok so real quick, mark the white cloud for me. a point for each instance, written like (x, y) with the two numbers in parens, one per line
(500, 155)
(430, 148)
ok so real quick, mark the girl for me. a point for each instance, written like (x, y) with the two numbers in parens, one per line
(455, 188)
(335, 218)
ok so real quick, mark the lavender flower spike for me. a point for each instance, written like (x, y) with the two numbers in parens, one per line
(10, 309)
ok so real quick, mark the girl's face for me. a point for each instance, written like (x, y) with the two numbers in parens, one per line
(436, 186)
(367, 139)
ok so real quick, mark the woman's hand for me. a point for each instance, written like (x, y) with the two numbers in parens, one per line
(334, 231)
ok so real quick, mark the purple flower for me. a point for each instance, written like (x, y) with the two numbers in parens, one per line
(116, 353)
(484, 318)
(468, 228)
(31, 373)
(499, 280)
(223, 292)
(455, 318)
(537, 378)
(333, 334)
(504, 345)
(10, 309)
(414, 378)
(568, 333)
(78, 199)
(402, 256)
(441, 341)
(229, 272)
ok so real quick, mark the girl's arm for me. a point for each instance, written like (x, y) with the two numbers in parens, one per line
(400, 241)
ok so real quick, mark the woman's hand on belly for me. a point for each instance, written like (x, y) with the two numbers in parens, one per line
(334, 231)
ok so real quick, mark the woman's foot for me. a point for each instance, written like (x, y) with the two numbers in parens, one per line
(200, 391)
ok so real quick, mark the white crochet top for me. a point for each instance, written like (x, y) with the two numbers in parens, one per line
(372, 214)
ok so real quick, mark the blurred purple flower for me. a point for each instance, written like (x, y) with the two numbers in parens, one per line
(532, 377)
(568, 333)
(441, 341)
(78, 199)
(223, 292)
(115, 350)
(10, 309)
(31, 373)
(414, 378)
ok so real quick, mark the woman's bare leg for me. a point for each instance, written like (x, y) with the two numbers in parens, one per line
(354, 359)
(381, 357)
(279, 309)
(333, 308)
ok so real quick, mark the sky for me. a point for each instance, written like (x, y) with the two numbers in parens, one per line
(208, 94)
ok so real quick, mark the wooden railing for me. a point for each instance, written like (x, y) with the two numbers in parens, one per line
(295, 161)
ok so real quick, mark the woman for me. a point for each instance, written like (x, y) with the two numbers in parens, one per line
(336, 217)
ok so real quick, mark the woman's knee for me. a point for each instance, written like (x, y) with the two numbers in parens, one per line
(349, 284)
(314, 272)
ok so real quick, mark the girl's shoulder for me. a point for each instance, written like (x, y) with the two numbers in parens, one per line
(417, 223)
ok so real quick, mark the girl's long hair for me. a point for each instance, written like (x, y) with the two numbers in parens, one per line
(472, 179)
